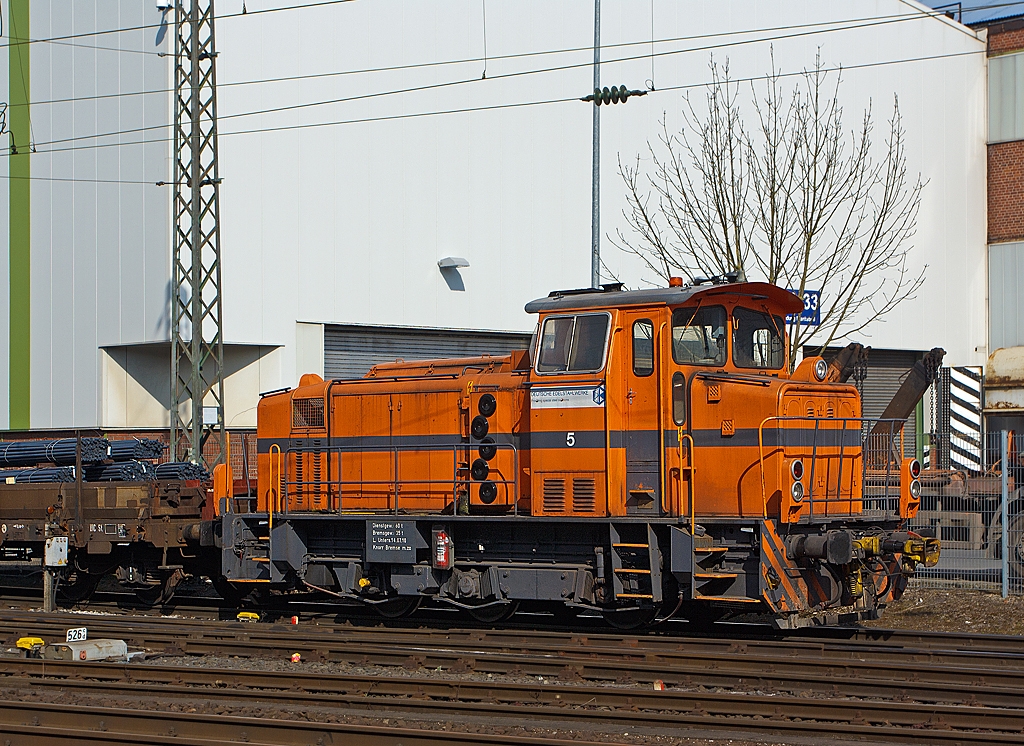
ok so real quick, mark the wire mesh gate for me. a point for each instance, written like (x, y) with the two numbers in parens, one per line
(971, 490)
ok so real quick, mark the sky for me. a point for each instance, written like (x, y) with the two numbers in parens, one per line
(974, 11)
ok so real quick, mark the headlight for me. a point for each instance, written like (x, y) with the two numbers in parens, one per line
(796, 468)
(915, 489)
(820, 369)
(797, 491)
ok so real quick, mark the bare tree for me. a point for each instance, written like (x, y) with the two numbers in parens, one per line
(795, 201)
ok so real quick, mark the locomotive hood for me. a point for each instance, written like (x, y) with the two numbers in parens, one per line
(614, 296)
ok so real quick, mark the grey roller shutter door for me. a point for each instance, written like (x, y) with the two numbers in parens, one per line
(350, 351)
(886, 371)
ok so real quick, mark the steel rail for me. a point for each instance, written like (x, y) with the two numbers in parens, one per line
(198, 636)
(798, 678)
(212, 611)
(98, 726)
(543, 704)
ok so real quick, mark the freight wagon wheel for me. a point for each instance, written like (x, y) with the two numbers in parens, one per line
(635, 618)
(398, 607)
(496, 613)
(149, 595)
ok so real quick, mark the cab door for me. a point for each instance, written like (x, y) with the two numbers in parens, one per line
(642, 436)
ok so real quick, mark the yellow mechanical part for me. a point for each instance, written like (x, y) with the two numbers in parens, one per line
(855, 583)
(30, 643)
(364, 582)
(248, 616)
(870, 544)
(923, 551)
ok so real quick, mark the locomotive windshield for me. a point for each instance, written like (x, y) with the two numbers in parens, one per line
(698, 335)
(757, 340)
(573, 343)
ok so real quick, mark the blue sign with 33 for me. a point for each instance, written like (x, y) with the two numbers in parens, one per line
(811, 315)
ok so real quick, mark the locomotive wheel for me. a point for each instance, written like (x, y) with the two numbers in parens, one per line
(630, 618)
(398, 607)
(496, 613)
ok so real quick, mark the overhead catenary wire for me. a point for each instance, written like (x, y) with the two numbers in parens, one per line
(148, 26)
(517, 55)
(519, 104)
(515, 74)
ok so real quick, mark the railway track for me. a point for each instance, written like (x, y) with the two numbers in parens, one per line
(917, 688)
(599, 709)
(437, 621)
(846, 668)
(42, 724)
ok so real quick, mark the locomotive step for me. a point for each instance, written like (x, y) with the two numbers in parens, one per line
(634, 595)
(709, 550)
(715, 575)
(631, 546)
(730, 599)
(632, 570)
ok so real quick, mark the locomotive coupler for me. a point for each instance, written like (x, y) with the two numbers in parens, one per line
(913, 548)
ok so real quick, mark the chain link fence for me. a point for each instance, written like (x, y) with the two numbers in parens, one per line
(970, 492)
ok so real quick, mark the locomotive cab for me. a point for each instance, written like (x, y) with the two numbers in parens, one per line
(628, 386)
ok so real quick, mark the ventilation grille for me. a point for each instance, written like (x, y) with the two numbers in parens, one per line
(584, 495)
(554, 495)
(307, 413)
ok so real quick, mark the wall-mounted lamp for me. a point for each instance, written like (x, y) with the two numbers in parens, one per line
(450, 267)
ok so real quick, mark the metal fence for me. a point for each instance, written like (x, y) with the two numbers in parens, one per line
(970, 492)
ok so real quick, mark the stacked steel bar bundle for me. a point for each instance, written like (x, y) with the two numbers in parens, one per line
(62, 451)
(182, 471)
(122, 471)
(136, 448)
(39, 476)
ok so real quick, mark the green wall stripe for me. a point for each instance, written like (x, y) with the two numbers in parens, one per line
(20, 216)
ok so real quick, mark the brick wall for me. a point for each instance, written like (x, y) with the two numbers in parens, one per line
(1006, 159)
(1006, 37)
(1006, 191)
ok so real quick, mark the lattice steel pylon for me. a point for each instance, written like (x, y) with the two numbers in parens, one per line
(197, 375)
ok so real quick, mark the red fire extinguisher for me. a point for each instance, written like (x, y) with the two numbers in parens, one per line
(443, 550)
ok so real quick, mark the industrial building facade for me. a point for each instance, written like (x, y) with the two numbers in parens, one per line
(362, 143)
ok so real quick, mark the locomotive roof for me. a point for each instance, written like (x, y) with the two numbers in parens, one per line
(613, 296)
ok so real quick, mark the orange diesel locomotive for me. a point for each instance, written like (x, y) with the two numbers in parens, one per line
(650, 454)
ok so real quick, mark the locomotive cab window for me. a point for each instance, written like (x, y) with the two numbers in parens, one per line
(757, 340)
(573, 344)
(643, 347)
(698, 335)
